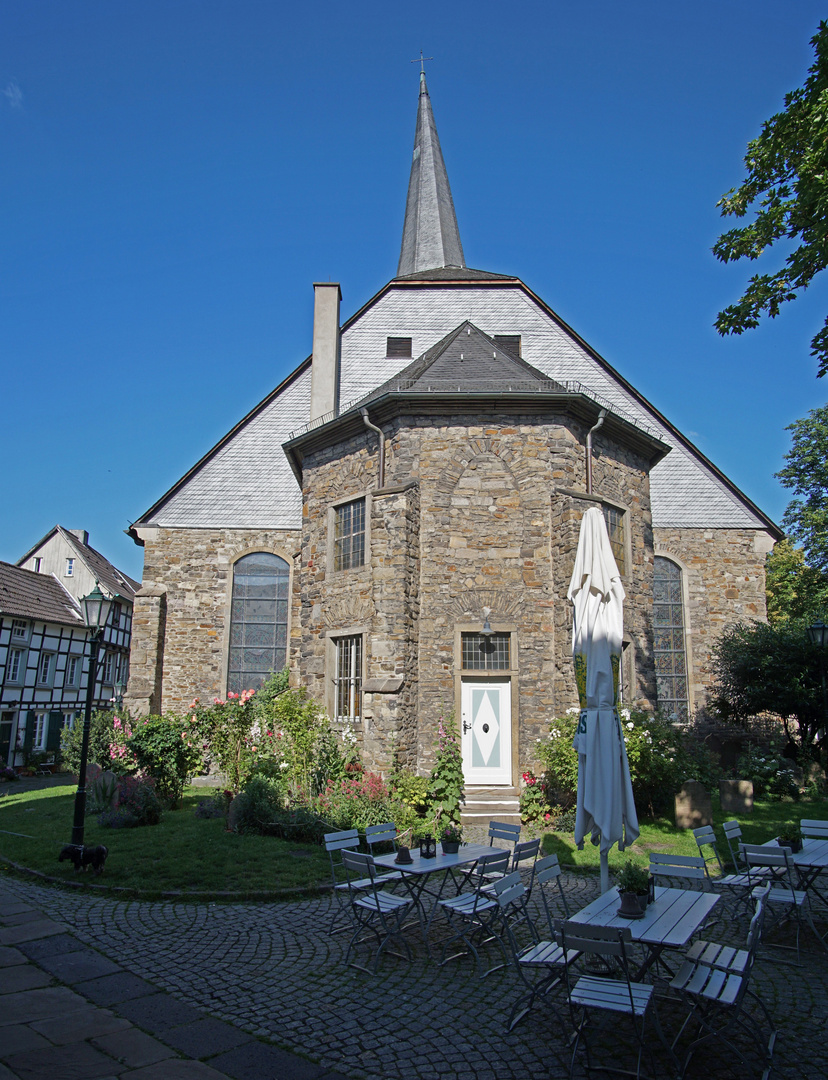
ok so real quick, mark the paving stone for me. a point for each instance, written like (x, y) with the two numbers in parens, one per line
(12, 906)
(257, 1060)
(40, 928)
(6, 1074)
(205, 1038)
(18, 1037)
(38, 1004)
(21, 917)
(20, 978)
(159, 1012)
(80, 966)
(78, 1061)
(10, 957)
(133, 1048)
(177, 1069)
(84, 1023)
(52, 946)
(112, 989)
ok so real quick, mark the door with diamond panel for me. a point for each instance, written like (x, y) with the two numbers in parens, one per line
(486, 715)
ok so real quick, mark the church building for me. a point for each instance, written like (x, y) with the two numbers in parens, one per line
(397, 521)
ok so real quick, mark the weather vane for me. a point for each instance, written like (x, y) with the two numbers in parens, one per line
(422, 60)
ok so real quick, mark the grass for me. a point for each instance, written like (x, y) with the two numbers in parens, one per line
(197, 855)
(183, 852)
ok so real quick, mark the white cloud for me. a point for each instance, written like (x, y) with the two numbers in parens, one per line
(14, 94)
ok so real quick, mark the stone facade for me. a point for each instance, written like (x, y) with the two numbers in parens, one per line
(181, 616)
(723, 575)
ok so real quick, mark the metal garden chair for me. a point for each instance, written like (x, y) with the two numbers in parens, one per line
(525, 852)
(681, 868)
(544, 956)
(477, 911)
(783, 896)
(609, 997)
(377, 835)
(336, 844)
(734, 889)
(715, 982)
(376, 912)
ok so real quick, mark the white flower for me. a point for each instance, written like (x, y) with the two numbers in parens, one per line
(283, 765)
(630, 726)
(574, 711)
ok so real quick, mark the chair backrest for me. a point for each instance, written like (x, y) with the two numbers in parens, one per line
(733, 836)
(689, 867)
(381, 834)
(706, 838)
(499, 830)
(813, 829)
(606, 941)
(526, 852)
(776, 859)
(494, 862)
(360, 867)
(548, 877)
(345, 840)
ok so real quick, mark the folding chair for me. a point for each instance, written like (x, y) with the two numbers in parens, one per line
(545, 956)
(790, 901)
(340, 842)
(716, 993)
(375, 836)
(477, 911)
(525, 852)
(727, 957)
(734, 889)
(499, 830)
(375, 912)
(813, 829)
(614, 997)
(678, 868)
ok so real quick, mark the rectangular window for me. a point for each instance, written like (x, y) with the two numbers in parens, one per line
(108, 669)
(72, 671)
(349, 535)
(16, 665)
(348, 679)
(615, 527)
(45, 668)
(40, 729)
(115, 618)
(69, 720)
(20, 630)
(398, 347)
(489, 652)
(70, 567)
(38, 564)
(510, 343)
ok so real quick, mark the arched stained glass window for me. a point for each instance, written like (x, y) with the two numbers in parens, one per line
(258, 620)
(668, 635)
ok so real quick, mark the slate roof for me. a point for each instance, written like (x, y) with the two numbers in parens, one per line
(112, 579)
(454, 273)
(28, 595)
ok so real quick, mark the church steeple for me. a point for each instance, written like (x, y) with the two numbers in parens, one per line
(431, 238)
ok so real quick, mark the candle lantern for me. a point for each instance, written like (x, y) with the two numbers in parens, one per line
(428, 847)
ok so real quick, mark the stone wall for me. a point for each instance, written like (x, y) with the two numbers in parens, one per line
(724, 582)
(189, 571)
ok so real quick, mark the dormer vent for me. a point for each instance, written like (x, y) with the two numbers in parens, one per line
(398, 347)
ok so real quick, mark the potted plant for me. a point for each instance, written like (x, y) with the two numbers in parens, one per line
(451, 836)
(790, 836)
(633, 883)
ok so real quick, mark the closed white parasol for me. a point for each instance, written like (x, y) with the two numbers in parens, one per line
(606, 809)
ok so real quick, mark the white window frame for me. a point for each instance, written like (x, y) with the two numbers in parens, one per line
(20, 631)
(73, 667)
(45, 661)
(108, 669)
(38, 564)
(348, 677)
(115, 617)
(70, 567)
(69, 720)
(16, 666)
(41, 731)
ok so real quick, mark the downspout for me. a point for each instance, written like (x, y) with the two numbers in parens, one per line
(373, 427)
(588, 450)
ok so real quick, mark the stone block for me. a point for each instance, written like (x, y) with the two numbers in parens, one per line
(694, 807)
(736, 796)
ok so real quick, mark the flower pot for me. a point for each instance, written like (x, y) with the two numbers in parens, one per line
(794, 845)
(633, 906)
(450, 847)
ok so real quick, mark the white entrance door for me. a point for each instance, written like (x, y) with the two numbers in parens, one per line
(486, 706)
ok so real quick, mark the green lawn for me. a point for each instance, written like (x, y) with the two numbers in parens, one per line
(193, 854)
(183, 852)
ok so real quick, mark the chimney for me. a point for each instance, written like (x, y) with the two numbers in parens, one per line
(325, 371)
(81, 535)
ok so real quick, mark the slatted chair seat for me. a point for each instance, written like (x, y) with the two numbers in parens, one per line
(784, 897)
(377, 913)
(477, 911)
(713, 954)
(592, 992)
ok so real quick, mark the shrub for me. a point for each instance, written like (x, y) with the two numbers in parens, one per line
(772, 775)
(138, 804)
(167, 749)
(409, 788)
(100, 793)
(101, 735)
(446, 784)
(214, 807)
(257, 808)
(534, 805)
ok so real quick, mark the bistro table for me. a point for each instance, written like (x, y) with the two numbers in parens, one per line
(668, 923)
(810, 861)
(417, 874)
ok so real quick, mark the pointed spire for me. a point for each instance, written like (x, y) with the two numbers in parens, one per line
(431, 238)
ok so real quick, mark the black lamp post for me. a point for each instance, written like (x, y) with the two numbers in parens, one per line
(96, 609)
(818, 635)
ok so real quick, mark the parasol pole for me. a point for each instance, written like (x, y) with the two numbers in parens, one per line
(604, 872)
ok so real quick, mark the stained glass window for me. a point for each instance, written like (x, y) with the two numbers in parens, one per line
(489, 652)
(258, 620)
(615, 527)
(668, 635)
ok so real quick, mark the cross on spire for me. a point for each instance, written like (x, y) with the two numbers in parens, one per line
(422, 60)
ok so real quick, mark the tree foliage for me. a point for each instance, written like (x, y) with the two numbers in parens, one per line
(760, 668)
(806, 474)
(795, 591)
(787, 188)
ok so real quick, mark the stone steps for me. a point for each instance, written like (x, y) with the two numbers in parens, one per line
(491, 804)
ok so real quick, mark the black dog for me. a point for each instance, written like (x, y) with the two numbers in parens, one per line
(84, 857)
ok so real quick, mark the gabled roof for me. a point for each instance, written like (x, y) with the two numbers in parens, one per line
(431, 237)
(111, 579)
(27, 595)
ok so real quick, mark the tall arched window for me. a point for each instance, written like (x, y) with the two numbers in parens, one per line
(670, 654)
(258, 620)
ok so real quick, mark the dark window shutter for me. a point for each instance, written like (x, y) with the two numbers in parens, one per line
(53, 734)
(28, 738)
(398, 346)
(510, 343)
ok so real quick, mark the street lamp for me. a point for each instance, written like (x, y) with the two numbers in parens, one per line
(818, 635)
(96, 608)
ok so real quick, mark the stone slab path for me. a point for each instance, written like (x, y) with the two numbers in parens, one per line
(97, 987)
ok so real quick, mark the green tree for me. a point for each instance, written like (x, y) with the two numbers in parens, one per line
(794, 590)
(787, 188)
(806, 474)
(760, 668)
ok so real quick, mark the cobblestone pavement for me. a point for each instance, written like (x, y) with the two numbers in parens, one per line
(273, 971)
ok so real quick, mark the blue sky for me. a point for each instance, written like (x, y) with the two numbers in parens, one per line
(174, 176)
